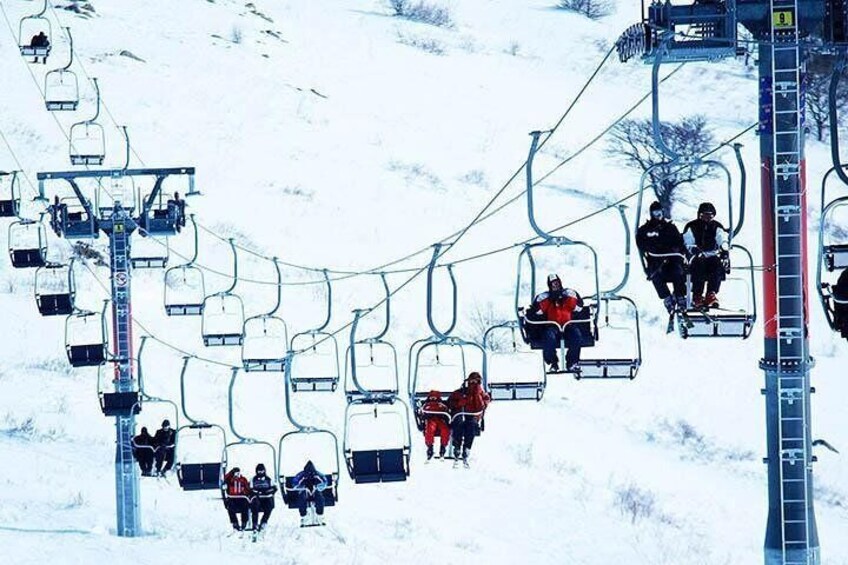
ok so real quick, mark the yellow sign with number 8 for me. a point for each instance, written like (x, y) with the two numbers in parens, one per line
(783, 18)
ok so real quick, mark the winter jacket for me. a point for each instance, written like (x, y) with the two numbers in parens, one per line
(699, 235)
(237, 486)
(435, 406)
(143, 440)
(309, 478)
(658, 237)
(263, 485)
(557, 309)
(164, 438)
(468, 399)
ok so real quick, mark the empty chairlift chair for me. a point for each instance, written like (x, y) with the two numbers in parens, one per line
(185, 288)
(88, 139)
(85, 338)
(10, 194)
(223, 314)
(316, 367)
(619, 367)
(54, 289)
(266, 337)
(61, 86)
(514, 371)
(832, 258)
(116, 403)
(35, 34)
(376, 359)
(377, 440)
(27, 244)
(200, 448)
(377, 437)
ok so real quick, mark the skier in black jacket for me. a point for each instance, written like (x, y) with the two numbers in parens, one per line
(143, 448)
(263, 501)
(165, 441)
(659, 236)
(706, 240)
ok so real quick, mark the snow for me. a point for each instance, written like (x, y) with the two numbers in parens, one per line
(336, 142)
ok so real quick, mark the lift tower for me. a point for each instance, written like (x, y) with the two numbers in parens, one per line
(151, 215)
(784, 31)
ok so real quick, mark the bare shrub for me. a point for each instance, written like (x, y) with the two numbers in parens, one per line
(634, 502)
(592, 9)
(426, 44)
(422, 12)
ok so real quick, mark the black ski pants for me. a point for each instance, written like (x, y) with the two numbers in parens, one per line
(305, 497)
(238, 506)
(164, 459)
(706, 271)
(265, 505)
(463, 431)
(144, 456)
(669, 271)
(550, 343)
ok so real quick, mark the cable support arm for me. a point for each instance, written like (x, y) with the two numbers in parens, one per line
(437, 248)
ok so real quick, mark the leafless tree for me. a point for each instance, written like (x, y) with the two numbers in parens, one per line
(633, 145)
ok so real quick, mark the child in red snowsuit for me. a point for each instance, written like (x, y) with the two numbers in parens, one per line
(436, 421)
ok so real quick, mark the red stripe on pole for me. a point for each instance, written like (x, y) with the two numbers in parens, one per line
(769, 260)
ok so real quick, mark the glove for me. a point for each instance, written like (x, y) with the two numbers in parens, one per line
(707, 254)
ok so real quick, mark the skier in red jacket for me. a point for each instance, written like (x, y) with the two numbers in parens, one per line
(436, 418)
(237, 498)
(467, 405)
(558, 305)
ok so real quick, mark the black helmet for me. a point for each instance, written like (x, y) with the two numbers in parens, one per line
(706, 208)
(655, 205)
(553, 278)
(166, 423)
(260, 467)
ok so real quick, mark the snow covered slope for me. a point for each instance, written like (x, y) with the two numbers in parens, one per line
(330, 134)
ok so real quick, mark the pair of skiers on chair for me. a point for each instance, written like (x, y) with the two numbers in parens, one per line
(458, 418)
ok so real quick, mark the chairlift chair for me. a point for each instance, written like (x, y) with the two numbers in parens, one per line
(832, 252)
(29, 27)
(316, 367)
(222, 321)
(193, 471)
(27, 244)
(185, 289)
(161, 215)
(266, 337)
(303, 444)
(204, 473)
(153, 253)
(87, 139)
(116, 403)
(242, 444)
(10, 194)
(374, 356)
(55, 289)
(521, 380)
(85, 338)
(386, 460)
(443, 345)
(71, 218)
(289, 466)
(61, 86)
(615, 367)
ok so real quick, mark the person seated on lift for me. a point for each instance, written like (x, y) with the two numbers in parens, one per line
(263, 502)
(706, 241)
(39, 41)
(143, 449)
(310, 485)
(840, 304)
(436, 417)
(659, 236)
(239, 498)
(559, 305)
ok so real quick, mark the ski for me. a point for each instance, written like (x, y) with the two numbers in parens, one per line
(686, 320)
(670, 328)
